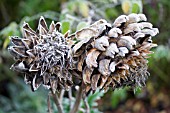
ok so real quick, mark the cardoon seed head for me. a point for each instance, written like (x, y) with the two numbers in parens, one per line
(42, 55)
(114, 55)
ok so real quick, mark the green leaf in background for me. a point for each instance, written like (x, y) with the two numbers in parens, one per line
(82, 25)
(117, 96)
(65, 26)
(84, 8)
(10, 30)
(135, 8)
(132, 6)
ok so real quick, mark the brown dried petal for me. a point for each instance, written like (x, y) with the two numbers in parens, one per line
(111, 50)
(104, 67)
(114, 32)
(133, 18)
(134, 27)
(17, 51)
(27, 31)
(92, 57)
(36, 82)
(85, 33)
(79, 44)
(142, 17)
(16, 41)
(103, 81)
(101, 43)
(87, 74)
(94, 81)
(52, 27)
(120, 20)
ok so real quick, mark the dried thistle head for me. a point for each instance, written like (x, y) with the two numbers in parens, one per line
(114, 55)
(42, 55)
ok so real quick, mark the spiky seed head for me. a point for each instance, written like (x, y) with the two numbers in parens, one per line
(42, 56)
(114, 56)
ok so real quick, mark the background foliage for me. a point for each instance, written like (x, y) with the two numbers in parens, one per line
(16, 97)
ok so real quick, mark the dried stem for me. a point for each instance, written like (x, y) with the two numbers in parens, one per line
(49, 104)
(78, 100)
(70, 97)
(57, 102)
(86, 105)
(61, 95)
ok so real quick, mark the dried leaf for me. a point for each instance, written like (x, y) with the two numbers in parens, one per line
(92, 57)
(52, 27)
(85, 33)
(103, 81)
(112, 66)
(142, 17)
(19, 66)
(43, 24)
(104, 67)
(94, 81)
(111, 50)
(87, 74)
(134, 27)
(145, 25)
(17, 51)
(79, 44)
(101, 43)
(80, 62)
(120, 20)
(133, 18)
(36, 82)
(28, 30)
(16, 41)
(129, 39)
(114, 32)
(123, 51)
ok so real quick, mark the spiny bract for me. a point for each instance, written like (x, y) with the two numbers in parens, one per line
(114, 55)
(43, 56)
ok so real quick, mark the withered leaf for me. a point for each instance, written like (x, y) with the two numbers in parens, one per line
(80, 62)
(114, 32)
(52, 27)
(103, 81)
(104, 67)
(142, 17)
(94, 81)
(16, 41)
(92, 57)
(19, 66)
(123, 51)
(17, 51)
(112, 66)
(101, 43)
(120, 20)
(87, 74)
(36, 82)
(43, 23)
(85, 33)
(111, 50)
(133, 18)
(26, 28)
(79, 44)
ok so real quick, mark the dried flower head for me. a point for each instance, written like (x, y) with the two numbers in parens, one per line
(114, 55)
(42, 56)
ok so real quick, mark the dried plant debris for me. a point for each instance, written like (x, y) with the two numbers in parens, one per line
(42, 55)
(102, 55)
(114, 55)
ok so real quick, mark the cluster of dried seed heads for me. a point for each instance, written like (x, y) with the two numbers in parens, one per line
(102, 56)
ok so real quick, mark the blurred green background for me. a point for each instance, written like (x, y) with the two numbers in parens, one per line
(16, 96)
